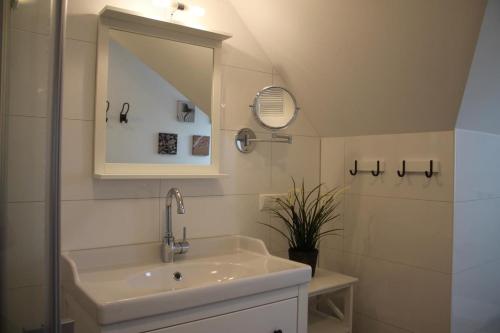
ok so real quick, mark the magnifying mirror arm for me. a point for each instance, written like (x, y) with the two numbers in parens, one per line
(246, 140)
(275, 137)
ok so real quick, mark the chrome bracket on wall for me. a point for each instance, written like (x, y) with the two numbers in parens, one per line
(246, 140)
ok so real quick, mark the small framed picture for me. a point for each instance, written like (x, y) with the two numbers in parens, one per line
(185, 111)
(167, 144)
(201, 145)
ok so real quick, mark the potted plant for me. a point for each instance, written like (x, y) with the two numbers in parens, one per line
(307, 216)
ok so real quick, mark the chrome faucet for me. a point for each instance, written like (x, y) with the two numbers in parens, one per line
(170, 247)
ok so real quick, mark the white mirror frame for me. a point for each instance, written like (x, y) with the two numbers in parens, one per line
(119, 19)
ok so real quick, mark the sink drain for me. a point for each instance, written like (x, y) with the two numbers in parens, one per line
(177, 276)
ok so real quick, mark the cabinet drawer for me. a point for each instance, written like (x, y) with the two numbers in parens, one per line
(268, 318)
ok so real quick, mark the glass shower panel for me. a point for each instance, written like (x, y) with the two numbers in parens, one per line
(28, 127)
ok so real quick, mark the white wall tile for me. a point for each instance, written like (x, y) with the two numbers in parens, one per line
(330, 259)
(476, 299)
(277, 242)
(29, 66)
(239, 87)
(365, 324)
(32, 16)
(414, 299)
(332, 162)
(25, 237)
(476, 231)
(218, 215)
(246, 173)
(412, 232)
(332, 176)
(79, 80)
(300, 160)
(77, 169)
(99, 223)
(27, 158)
(477, 165)
(395, 148)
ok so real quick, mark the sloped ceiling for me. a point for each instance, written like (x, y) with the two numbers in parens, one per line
(370, 67)
(480, 110)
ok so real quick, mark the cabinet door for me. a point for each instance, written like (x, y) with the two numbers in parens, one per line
(270, 318)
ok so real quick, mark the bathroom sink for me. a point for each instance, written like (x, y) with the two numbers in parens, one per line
(128, 282)
(181, 276)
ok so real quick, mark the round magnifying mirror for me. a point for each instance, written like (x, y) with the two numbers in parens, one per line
(274, 107)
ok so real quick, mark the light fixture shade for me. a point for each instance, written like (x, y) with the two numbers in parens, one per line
(196, 10)
(163, 3)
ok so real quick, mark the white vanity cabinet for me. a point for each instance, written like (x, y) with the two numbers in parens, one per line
(270, 318)
(278, 311)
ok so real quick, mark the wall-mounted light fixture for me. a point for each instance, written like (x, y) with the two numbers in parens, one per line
(176, 6)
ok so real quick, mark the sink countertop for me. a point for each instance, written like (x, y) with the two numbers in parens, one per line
(128, 282)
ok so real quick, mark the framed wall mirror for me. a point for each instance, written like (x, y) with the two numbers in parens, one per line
(157, 99)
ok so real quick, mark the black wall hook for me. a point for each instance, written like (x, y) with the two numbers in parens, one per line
(107, 109)
(124, 112)
(402, 173)
(355, 172)
(431, 171)
(376, 173)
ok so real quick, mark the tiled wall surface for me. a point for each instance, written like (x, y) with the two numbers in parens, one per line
(397, 231)
(97, 213)
(28, 63)
(476, 246)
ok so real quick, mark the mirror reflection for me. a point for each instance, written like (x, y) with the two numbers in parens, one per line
(275, 107)
(158, 100)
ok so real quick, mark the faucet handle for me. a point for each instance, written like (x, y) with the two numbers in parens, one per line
(184, 234)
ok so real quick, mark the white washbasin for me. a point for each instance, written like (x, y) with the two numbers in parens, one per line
(129, 282)
(189, 275)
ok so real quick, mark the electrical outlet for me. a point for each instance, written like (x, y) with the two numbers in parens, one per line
(267, 201)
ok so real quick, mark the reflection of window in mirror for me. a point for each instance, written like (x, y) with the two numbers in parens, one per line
(168, 85)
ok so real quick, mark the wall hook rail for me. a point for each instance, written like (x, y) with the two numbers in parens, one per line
(355, 172)
(376, 173)
(107, 109)
(429, 173)
(124, 113)
(403, 172)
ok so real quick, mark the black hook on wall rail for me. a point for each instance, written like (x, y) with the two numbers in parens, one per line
(403, 172)
(123, 113)
(376, 173)
(429, 173)
(355, 172)
(107, 109)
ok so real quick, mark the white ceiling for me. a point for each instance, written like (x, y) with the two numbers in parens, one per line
(370, 67)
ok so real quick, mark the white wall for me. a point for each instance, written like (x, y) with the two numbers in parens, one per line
(397, 231)
(153, 110)
(99, 213)
(476, 233)
(476, 246)
(480, 109)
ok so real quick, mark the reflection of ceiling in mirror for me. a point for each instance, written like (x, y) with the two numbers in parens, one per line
(154, 106)
(275, 107)
(187, 67)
